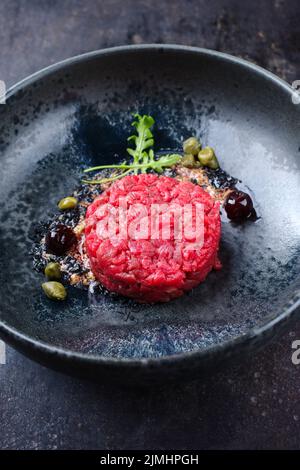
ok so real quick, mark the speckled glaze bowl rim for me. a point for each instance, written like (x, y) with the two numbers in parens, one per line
(227, 347)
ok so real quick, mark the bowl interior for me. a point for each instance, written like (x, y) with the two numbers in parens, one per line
(79, 116)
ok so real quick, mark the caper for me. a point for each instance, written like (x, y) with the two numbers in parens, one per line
(52, 271)
(188, 161)
(54, 290)
(208, 158)
(191, 146)
(67, 203)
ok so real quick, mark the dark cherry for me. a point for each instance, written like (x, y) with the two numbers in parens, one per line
(239, 206)
(60, 239)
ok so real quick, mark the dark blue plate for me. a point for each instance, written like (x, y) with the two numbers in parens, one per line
(76, 114)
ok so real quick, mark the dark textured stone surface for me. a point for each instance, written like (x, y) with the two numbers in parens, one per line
(250, 405)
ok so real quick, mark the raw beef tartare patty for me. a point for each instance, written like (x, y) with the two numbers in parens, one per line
(152, 269)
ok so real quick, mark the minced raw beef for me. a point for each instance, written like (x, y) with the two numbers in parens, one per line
(151, 268)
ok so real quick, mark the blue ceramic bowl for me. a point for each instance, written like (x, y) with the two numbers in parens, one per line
(76, 114)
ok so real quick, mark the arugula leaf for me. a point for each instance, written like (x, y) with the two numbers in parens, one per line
(142, 154)
(143, 140)
(166, 161)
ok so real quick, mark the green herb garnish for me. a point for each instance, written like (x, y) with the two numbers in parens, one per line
(143, 140)
(142, 154)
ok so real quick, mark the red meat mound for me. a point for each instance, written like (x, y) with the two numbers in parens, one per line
(142, 263)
